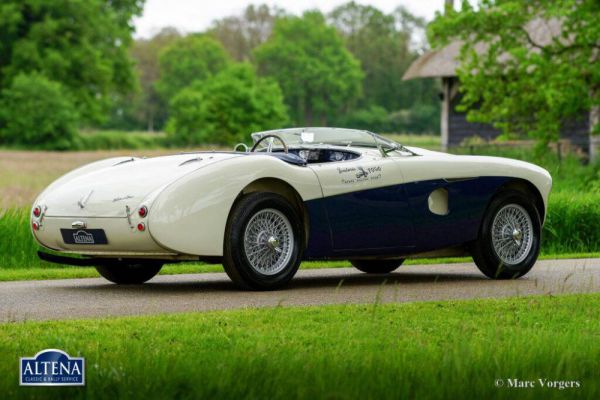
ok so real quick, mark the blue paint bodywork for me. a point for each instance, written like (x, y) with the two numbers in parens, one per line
(396, 220)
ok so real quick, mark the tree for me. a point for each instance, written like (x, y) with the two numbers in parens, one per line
(241, 34)
(371, 37)
(37, 113)
(148, 105)
(517, 79)
(83, 44)
(317, 74)
(191, 58)
(226, 108)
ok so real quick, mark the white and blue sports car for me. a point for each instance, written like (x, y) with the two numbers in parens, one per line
(298, 194)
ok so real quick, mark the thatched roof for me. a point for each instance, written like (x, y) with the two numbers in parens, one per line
(443, 63)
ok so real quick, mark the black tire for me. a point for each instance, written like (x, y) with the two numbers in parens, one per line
(377, 266)
(129, 273)
(486, 257)
(235, 260)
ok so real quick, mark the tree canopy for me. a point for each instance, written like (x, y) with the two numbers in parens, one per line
(226, 108)
(188, 59)
(317, 74)
(37, 112)
(83, 44)
(521, 82)
(241, 34)
(384, 53)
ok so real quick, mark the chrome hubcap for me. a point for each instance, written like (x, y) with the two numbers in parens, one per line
(269, 241)
(512, 234)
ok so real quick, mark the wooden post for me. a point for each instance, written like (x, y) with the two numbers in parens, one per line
(594, 121)
(446, 97)
(445, 115)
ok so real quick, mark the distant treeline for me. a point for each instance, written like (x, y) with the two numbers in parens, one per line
(63, 67)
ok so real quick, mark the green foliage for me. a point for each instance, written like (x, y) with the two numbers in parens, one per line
(225, 109)
(37, 113)
(524, 80)
(80, 43)
(18, 249)
(422, 350)
(189, 59)
(572, 223)
(317, 74)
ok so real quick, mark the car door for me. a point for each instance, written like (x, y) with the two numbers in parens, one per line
(365, 205)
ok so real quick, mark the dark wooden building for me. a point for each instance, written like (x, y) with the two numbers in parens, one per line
(454, 126)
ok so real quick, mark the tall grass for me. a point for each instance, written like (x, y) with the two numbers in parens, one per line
(17, 246)
(572, 226)
(572, 223)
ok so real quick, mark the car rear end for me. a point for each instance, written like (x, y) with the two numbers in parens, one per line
(106, 212)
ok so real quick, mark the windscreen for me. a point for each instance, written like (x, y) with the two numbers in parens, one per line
(331, 136)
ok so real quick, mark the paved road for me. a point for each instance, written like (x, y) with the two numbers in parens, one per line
(82, 298)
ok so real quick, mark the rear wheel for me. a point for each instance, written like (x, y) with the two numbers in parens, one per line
(509, 238)
(264, 241)
(129, 273)
(377, 266)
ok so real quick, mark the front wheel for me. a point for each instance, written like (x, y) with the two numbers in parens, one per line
(509, 237)
(129, 273)
(264, 241)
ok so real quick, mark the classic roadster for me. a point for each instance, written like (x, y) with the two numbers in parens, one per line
(297, 194)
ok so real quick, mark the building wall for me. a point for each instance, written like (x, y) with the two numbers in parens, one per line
(459, 129)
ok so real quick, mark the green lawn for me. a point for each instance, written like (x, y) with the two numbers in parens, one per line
(66, 272)
(432, 350)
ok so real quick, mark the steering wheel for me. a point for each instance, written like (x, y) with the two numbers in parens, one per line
(270, 146)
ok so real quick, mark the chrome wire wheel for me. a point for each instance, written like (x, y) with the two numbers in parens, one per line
(268, 241)
(512, 234)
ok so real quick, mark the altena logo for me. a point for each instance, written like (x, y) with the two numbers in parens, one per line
(81, 237)
(52, 367)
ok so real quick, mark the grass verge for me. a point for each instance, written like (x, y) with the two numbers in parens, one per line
(435, 350)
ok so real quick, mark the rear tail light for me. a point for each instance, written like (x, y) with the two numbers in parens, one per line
(143, 211)
(35, 225)
(141, 227)
(37, 211)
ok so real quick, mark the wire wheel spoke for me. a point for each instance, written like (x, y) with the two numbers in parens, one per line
(512, 234)
(268, 241)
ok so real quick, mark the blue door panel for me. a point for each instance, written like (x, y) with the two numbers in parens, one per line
(396, 220)
(376, 221)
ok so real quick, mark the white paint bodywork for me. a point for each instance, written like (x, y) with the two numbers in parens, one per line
(189, 196)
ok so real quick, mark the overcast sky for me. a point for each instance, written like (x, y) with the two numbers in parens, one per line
(196, 15)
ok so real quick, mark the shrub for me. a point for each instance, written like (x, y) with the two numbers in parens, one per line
(225, 109)
(36, 112)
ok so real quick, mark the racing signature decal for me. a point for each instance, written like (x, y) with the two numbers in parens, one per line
(350, 175)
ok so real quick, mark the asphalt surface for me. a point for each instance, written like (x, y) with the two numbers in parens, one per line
(85, 298)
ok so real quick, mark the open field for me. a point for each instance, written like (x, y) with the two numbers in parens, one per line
(458, 349)
(24, 174)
